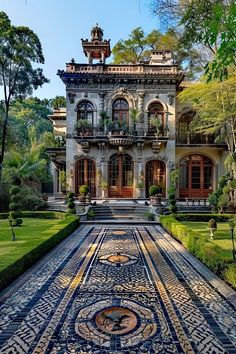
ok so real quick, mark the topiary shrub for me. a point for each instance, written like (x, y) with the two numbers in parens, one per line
(71, 203)
(154, 190)
(15, 206)
(84, 189)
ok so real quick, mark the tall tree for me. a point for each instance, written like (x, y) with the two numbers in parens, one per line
(209, 23)
(19, 49)
(58, 102)
(215, 104)
(137, 48)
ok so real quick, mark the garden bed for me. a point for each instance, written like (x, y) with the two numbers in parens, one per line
(39, 234)
(215, 254)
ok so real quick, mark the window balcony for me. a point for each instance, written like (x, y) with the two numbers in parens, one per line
(199, 139)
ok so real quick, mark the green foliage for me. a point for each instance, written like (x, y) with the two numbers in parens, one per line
(15, 198)
(199, 246)
(207, 24)
(36, 247)
(230, 275)
(204, 217)
(154, 190)
(83, 125)
(91, 213)
(84, 189)
(58, 102)
(155, 122)
(71, 203)
(19, 49)
(214, 103)
(23, 168)
(137, 48)
(172, 192)
(149, 215)
(15, 190)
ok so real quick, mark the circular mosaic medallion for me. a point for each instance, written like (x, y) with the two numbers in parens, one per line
(116, 320)
(118, 258)
(119, 232)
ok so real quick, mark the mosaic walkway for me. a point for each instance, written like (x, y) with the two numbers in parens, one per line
(112, 290)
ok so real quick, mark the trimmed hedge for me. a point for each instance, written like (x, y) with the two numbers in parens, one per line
(10, 273)
(36, 214)
(207, 252)
(204, 217)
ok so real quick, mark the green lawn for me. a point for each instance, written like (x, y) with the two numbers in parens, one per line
(28, 236)
(222, 236)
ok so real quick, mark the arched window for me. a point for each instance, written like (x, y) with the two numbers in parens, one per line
(195, 176)
(120, 113)
(85, 110)
(156, 110)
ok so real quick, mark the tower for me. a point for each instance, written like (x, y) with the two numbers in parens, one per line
(96, 48)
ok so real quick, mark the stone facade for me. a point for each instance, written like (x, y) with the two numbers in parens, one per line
(117, 160)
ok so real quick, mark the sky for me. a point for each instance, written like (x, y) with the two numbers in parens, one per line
(60, 25)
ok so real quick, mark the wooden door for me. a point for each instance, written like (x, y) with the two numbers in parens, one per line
(85, 173)
(195, 179)
(155, 175)
(120, 174)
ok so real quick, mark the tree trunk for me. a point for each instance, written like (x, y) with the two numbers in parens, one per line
(3, 144)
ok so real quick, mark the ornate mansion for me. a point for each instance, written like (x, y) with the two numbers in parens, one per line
(113, 143)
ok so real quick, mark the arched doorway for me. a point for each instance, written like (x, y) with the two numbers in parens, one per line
(120, 176)
(195, 176)
(85, 173)
(156, 174)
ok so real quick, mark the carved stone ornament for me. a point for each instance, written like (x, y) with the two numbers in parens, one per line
(171, 97)
(71, 96)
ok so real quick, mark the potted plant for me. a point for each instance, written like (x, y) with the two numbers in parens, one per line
(71, 203)
(103, 187)
(140, 186)
(83, 126)
(156, 123)
(212, 226)
(155, 196)
(134, 114)
(83, 191)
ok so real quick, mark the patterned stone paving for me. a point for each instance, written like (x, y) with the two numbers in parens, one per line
(114, 290)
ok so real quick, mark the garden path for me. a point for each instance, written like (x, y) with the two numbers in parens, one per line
(118, 289)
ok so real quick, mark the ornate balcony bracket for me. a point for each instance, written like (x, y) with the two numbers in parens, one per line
(156, 146)
(121, 140)
(85, 146)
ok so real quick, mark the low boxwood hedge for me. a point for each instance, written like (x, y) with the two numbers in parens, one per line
(208, 253)
(36, 214)
(204, 217)
(10, 273)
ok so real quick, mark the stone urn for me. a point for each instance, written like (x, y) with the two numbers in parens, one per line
(212, 226)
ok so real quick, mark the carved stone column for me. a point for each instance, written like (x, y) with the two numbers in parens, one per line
(141, 95)
(101, 100)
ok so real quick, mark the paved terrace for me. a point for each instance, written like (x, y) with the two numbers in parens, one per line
(118, 289)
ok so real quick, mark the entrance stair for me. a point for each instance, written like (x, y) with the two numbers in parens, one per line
(120, 212)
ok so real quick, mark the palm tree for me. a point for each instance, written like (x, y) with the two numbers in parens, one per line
(23, 168)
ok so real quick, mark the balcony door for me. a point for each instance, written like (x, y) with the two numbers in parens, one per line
(120, 114)
(196, 175)
(155, 175)
(120, 176)
(85, 173)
